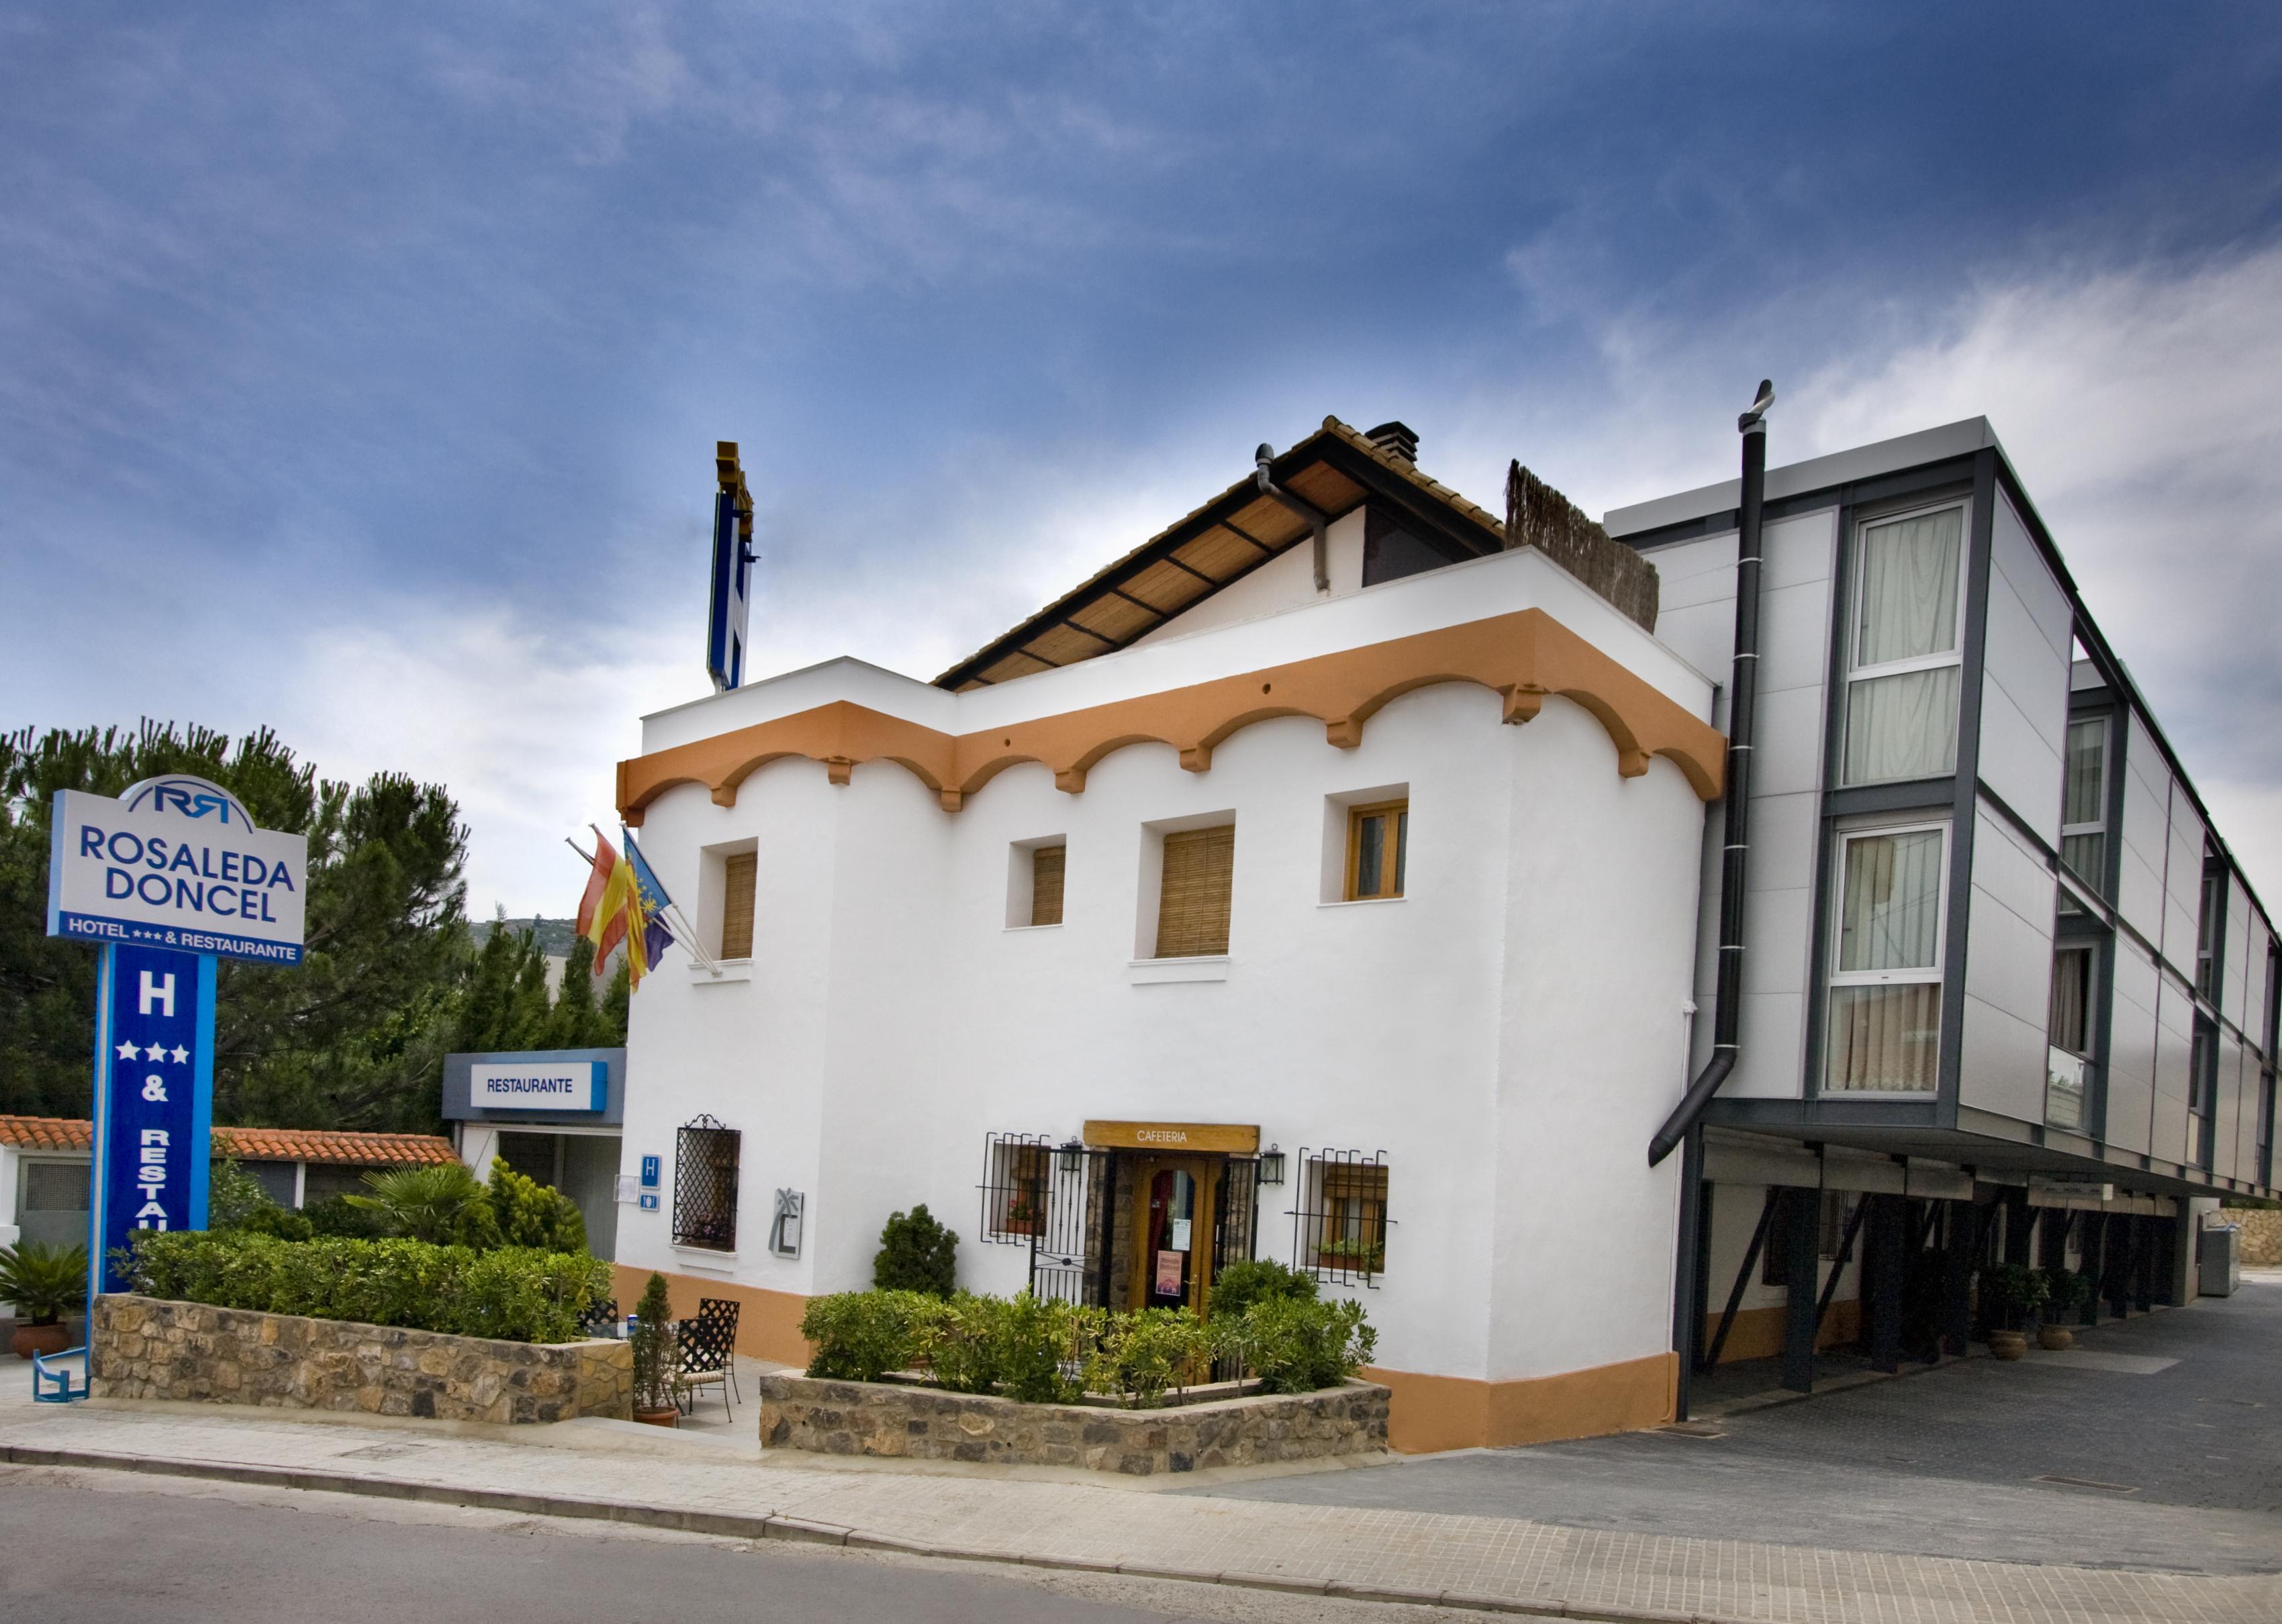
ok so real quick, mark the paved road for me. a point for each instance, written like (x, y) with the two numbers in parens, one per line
(97, 1548)
(1945, 1463)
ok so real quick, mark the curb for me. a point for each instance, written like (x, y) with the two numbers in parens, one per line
(767, 1525)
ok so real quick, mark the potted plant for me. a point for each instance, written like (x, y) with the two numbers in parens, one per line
(2009, 1293)
(2064, 1289)
(46, 1283)
(653, 1346)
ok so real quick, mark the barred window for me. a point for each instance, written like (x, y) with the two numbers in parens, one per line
(1016, 1171)
(705, 1185)
(1338, 1229)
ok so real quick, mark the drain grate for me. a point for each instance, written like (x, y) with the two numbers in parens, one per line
(2114, 1489)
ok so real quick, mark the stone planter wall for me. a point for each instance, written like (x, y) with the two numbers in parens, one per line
(147, 1347)
(858, 1417)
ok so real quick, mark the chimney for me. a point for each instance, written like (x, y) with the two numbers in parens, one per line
(1399, 440)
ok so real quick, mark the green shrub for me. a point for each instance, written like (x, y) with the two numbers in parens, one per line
(1142, 1354)
(653, 1373)
(2010, 1290)
(234, 1196)
(2065, 1289)
(860, 1334)
(1255, 1279)
(338, 1216)
(915, 1254)
(1294, 1345)
(513, 1293)
(530, 1213)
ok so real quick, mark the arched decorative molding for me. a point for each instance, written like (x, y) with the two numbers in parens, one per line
(1521, 657)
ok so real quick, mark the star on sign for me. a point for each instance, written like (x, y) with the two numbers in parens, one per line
(156, 1051)
(181, 1054)
(127, 1051)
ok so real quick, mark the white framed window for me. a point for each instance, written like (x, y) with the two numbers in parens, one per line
(1903, 637)
(1884, 1010)
(2083, 802)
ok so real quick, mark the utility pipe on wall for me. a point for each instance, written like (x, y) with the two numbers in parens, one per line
(1684, 1125)
(1735, 797)
(1316, 521)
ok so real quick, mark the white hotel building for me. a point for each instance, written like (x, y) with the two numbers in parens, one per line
(1336, 878)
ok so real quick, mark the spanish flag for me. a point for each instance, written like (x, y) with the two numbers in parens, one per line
(611, 910)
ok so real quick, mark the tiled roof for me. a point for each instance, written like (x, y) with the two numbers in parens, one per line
(254, 1144)
(47, 1132)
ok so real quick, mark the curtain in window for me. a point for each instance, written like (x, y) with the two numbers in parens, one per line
(1909, 588)
(1889, 916)
(2070, 975)
(1902, 726)
(1885, 1040)
(1905, 725)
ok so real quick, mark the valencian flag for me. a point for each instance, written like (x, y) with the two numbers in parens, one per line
(611, 910)
(656, 936)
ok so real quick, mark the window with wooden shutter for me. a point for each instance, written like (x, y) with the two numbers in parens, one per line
(1046, 867)
(739, 872)
(1193, 905)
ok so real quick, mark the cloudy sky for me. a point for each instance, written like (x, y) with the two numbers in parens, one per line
(360, 366)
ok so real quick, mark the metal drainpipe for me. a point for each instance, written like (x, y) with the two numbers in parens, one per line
(1685, 1124)
(1316, 521)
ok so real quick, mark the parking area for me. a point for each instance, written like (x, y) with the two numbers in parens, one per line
(2155, 1443)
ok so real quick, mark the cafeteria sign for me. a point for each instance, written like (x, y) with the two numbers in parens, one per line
(164, 881)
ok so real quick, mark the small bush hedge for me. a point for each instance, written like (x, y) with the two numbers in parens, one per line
(513, 1293)
(1043, 1351)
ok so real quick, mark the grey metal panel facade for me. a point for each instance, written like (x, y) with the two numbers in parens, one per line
(2174, 1040)
(2025, 704)
(2228, 1160)
(2234, 983)
(2146, 832)
(2009, 976)
(2183, 883)
(458, 1108)
(2130, 1082)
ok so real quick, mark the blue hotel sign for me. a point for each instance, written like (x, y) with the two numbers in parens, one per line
(164, 881)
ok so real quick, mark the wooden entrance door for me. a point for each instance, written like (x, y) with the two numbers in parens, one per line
(1174, 1199)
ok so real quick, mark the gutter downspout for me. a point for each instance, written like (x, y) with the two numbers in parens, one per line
(1316, 521)
(1685, 1124)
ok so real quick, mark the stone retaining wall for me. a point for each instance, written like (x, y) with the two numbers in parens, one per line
(858, 1417)
(2262, 1234)
(147, 1347)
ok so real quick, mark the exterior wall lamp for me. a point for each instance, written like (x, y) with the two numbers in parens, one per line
(1271, 1166)
(784, 1232)
(1073, 1157)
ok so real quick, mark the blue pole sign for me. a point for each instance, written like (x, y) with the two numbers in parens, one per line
(164, 881)
(154, 1099)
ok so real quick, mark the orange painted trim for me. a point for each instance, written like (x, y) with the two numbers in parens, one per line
(1521, 657)
(1757, 1333)
(768, 1322)
(1452, 1412)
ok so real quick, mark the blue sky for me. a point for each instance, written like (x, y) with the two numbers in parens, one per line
(360, 366)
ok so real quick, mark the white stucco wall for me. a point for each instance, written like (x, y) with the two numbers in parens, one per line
(1507, 1033)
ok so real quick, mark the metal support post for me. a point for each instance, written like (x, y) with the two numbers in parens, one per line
(1802, 1254)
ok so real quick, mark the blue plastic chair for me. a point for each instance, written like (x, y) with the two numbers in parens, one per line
(46, 1376)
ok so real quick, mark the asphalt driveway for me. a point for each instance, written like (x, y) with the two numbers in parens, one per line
(2158, 1445)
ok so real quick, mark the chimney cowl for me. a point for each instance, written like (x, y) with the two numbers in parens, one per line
(1398, 440)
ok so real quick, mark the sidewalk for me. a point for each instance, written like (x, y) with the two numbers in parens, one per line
(723, 1485)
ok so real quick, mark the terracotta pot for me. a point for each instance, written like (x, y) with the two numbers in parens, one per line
(49, 1340)
(667, 1416)
(2055, 1338)
(2008, 1345)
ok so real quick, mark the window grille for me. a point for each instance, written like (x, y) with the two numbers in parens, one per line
(1016, 1187)
(705, 1185)
(1338, 1225)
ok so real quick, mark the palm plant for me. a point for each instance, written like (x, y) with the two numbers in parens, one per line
(44, 1282)
(442, 1203)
